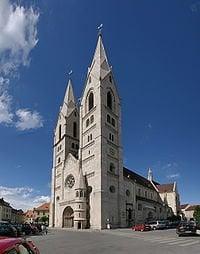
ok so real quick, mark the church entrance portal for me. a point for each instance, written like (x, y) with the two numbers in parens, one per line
(68, 217)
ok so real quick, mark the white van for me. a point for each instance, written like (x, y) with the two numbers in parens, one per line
(158, 224)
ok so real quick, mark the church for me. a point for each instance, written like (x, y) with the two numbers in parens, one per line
(90, 186)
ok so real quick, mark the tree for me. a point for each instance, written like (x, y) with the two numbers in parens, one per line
(44, 219)
(196, 214)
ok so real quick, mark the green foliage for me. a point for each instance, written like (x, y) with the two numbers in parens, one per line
(196, 214)
(44, 219)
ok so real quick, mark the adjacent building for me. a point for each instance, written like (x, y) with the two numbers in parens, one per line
(8, 213)
(41, 213)
(187, 211)
(90, 186)
(38, 214)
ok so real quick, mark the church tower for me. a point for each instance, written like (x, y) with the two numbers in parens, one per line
(66, 140)
(80, 202)
(100, 143)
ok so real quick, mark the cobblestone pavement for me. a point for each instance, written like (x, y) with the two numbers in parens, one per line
(115, 242)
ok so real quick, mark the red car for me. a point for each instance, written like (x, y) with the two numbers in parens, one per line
(17, 246)
(141, 227)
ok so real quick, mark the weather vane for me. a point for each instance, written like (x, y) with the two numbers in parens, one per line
(70, 72)
(100, 28)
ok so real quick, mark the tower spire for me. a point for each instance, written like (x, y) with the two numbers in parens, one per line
(150, 175)
(69, 100)
(99, 67)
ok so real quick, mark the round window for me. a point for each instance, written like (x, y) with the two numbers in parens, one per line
(112, 189)
(57, 198)
(70, 181)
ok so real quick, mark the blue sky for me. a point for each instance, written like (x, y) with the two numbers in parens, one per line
(153, 47)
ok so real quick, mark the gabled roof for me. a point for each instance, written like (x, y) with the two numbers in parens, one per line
(138, 178)
(162, 188)
(43, 207)
(191, 208)
(29, 213)
(184, 206)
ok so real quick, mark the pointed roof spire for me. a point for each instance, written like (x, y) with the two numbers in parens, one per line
(81, 181)
(69, 100)
(69, 94)
(150, 175)
(100, 66)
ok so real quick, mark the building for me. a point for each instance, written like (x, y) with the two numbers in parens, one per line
(187, 211)
(5, 210)
(29, 216)
(41, 212)
(90, 186)
(170, 196)
(38, 214)
(8, 213)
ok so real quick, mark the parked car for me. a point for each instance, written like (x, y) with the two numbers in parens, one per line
(7, 230)
(141, 227)
(17, 246)
(186, 228)
(26, 229)
(173, 224)
(18, 228)
(158, 224)
(198, 229)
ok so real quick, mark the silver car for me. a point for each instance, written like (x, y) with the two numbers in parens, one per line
(158, 224)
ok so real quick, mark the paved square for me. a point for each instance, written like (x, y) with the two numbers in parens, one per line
(116, 241)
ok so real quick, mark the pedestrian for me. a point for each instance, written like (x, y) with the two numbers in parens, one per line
(44, 229)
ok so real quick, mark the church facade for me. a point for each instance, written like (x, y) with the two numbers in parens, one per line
(90, 186)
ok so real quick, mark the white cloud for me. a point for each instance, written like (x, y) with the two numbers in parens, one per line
(176, 175)
(149, 125)
(18, 30)
(18, 36)
(22, 197)
(170, 166)
(28, 120)
(5, 102)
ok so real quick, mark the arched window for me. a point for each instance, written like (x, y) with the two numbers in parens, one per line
(76, 193)
(74, 129)
(92, 119)
(108, 118)
(91, 101)
(109, 100)
(87, 122)
(59, 135)
(112, 167)
(81, 193)
(112, 189)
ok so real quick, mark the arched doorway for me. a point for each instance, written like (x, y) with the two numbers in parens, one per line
(68, 217)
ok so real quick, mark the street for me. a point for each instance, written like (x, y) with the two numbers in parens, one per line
(116, 241)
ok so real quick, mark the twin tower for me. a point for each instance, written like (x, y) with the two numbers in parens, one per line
(87, 173)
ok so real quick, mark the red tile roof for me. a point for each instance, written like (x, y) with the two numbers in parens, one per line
(29, 214)
(43, 207)
(162, 188)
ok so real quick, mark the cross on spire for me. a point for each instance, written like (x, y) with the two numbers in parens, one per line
(100, 27)
(70, 72)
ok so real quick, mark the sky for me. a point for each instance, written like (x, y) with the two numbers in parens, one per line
(154, 50)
